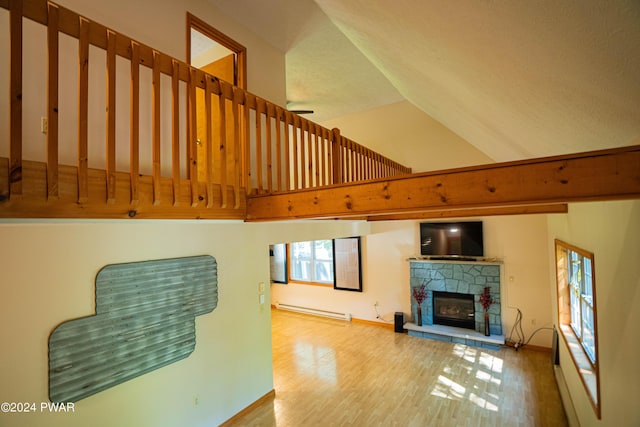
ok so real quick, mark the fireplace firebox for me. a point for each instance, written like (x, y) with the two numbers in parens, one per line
(454, 309)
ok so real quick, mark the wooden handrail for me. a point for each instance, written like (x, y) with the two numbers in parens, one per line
(274, 151)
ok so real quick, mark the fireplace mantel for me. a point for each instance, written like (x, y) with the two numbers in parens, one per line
(457, 276)
(453, 260)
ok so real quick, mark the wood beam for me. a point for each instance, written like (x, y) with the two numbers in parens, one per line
(597, 175)
(473, 212)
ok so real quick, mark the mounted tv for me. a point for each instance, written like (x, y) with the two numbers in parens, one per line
(452, 239)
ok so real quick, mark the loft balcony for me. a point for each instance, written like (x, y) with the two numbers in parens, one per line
(175, 141)
(134, 133)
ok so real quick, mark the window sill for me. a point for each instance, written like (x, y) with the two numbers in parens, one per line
(588, 373)
(324, 285)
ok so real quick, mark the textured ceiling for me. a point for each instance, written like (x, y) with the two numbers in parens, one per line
(515, 79)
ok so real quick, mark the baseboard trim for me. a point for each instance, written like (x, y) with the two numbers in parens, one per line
(372, 322)
(528, 346)
(270, 395)
(353, 319)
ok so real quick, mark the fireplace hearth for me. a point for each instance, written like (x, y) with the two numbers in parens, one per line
(454, 309)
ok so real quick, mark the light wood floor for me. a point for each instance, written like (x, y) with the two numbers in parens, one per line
(335, 373)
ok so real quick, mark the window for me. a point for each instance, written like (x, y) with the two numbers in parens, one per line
(311, 262)
(318, 262)
(581, 289)
(577, 314)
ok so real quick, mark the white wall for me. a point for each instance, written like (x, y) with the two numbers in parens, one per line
(159, 24)
(48, 276)
(407, 135)
(520, 241)
(610, 230)
(49, 268)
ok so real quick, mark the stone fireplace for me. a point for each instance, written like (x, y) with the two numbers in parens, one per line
(456, 286)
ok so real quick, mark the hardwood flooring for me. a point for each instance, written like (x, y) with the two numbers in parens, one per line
(335, 373)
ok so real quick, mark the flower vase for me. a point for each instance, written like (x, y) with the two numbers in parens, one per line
(486, 324)
(419, 317)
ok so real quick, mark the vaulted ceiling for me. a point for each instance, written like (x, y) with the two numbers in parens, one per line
(516, 79)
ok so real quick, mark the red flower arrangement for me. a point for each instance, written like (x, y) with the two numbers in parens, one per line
(420, 294)
(486, 299)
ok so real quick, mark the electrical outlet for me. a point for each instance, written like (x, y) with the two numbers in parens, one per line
(44, 125)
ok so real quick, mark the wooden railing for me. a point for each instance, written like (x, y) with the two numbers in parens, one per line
(195, 151)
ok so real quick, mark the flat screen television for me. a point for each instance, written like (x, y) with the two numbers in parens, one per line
(452, 239)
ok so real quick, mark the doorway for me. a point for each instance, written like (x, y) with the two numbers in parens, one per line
(218, 55)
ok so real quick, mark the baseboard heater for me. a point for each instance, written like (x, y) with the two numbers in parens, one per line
(314, 311)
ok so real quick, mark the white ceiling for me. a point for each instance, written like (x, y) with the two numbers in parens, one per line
(517, 79)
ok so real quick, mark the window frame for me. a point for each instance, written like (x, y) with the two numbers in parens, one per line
(312, 262)
(587, 365)
(346, 265)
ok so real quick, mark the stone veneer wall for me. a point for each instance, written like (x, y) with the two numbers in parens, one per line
(461, 277)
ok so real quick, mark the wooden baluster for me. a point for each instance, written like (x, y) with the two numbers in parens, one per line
(318, 161)
(208, 122)
(304, 151)
(327, 157)
(362, 159)
(369, 164)
(268, 148)
(309, 154)
(374, 166)
(134, 149)
(259, 107)
(155, 166)
(365, 163)
(111, 118)
(193, 137)
(246, 146)
(354, 161)
(237, 155)
(278, 114)
(294, 121)
(347, 160)
(361, 162)
(315, 143)
(83, 111)
(287, 150)
(223, 144)
(52, 102)
(351, 150)
(15, 132)
(175, 132)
